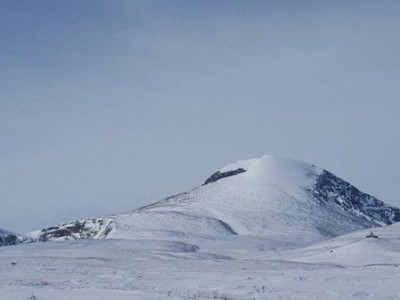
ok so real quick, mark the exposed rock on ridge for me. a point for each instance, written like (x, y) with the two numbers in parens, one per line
(93, 228)
(7, 238)
(330, 188)
(219, 175)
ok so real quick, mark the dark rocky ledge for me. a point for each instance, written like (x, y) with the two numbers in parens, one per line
(219, 175)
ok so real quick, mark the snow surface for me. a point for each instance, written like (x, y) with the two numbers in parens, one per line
(355, 249)
(358, 268)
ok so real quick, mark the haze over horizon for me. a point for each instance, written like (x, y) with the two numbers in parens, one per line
(108, 106)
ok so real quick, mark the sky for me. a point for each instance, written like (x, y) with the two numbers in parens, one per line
(106, 106)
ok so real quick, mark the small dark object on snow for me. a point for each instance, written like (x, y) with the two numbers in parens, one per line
(14, 263)
(372, 235)
(33, 297)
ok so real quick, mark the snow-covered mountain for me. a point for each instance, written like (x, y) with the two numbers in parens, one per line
(278, 203)
(8, 238)
(219, 241)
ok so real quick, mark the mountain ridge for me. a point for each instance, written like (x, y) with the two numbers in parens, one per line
(270, 198)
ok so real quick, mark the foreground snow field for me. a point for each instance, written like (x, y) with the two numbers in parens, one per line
(347, 267)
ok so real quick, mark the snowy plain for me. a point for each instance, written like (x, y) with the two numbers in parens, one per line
(347, 267)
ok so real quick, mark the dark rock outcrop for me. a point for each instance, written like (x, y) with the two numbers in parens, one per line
(219, 175)
(333, 190)
(8, 238)
(80, 229)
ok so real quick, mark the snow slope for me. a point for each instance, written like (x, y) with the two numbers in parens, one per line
(355, 249)
(107, 269)
(271, 202)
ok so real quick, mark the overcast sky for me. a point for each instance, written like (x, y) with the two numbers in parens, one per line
(109, 105)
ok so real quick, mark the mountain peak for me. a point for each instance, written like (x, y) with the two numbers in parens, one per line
(283, 203)
(270, 170)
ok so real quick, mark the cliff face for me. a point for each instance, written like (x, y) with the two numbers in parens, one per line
(331, 189)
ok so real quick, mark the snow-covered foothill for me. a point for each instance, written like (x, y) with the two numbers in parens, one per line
(86, 228)
(356, 249)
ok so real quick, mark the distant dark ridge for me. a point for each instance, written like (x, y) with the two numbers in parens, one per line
(7, 239)
(219, 175)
